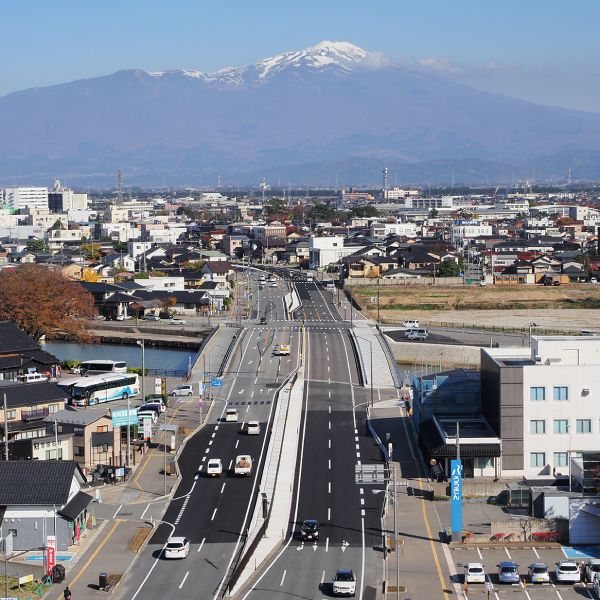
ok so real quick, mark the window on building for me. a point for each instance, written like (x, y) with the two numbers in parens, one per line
(537, 426)
(560, 393)
(12, 532)
(537, 394)
(560, 459)
(51, 454)
(583, 426)
(78, 450)
(77, 430)
(52, 408)
(11, 414)
(102, 448)
(101, 428)
(537, 459)
(560, 426)
(484, 463)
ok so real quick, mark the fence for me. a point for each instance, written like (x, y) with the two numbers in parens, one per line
(441, 281)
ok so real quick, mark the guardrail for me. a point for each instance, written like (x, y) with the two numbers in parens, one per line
(225, 360)
(203, 345)
(358, 358)
(390, 358)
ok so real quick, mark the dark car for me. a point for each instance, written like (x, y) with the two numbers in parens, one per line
(263, 320)
(310, 530)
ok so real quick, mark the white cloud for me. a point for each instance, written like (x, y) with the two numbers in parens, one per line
(439, 65)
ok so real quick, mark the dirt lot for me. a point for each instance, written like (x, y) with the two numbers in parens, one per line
(572, 307)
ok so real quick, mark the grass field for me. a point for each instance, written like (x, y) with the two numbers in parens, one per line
(570, 307)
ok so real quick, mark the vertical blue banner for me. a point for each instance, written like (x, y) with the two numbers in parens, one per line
(456, 496)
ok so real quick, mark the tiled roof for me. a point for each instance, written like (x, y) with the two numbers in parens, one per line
(12, 339)
(31, 394)
(36, 482)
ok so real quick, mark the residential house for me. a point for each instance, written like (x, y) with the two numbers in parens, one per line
(217, 270)
(39, 498)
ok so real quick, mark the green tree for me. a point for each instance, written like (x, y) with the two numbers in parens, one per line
(38, 246)
(57, 225)
(275, 206)
(448, 268)
(322, 212)
(121, 247)
(433, 213)
(365, 211)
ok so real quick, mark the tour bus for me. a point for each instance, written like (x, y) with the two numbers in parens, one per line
(95, 367)
(87, 391)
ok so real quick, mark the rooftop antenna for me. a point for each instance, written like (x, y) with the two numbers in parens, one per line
(385, 180)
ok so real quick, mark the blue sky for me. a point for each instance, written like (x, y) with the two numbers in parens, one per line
(543, 51)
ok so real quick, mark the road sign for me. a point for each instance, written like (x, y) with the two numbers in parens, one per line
(119, 417)
(369, 474)
(216, 382)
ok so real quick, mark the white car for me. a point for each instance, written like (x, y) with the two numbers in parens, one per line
(273, 284)
(231, 415)
(592, 567)
(214, 468)
(281, 350)
(253, 428)
(538, 573)
(410, 324)
(567, 571)
(177, 321)
(344, 583)
(177, 547)
(182, 390)
(474, 573)
(147, 414)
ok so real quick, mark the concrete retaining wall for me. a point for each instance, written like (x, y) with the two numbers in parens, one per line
(520, 530)
(442, 281)
(435, 354)
(471, 488)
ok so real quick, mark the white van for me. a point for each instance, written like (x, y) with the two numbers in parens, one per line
(416, 334)
(31, 377)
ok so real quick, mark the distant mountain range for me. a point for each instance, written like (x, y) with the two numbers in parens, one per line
(331, 111)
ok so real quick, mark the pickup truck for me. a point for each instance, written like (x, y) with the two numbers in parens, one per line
(243, 465)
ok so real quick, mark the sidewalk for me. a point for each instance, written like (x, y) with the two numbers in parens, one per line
(125, 510)
(370, 350)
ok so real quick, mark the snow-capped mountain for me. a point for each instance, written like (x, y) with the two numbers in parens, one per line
(341, 56)
(305, 116)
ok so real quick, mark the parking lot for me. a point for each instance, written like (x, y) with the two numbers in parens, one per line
(491, 557)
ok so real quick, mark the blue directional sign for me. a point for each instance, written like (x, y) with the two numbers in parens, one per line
(119, 417)
(456, 471)
(216, 382)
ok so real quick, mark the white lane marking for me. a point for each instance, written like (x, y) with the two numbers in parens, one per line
(329, 487)
(213, 435)
(329, 424)
(223, 487)
(207, 451)
(328, 369)
(237, 443)
(203, 459)
(147, 507)
(282, 578)
(479, 553)
(184, 578)
(558, 594)
(243, 423)
(247, 408)
(356, 439)
(362, 566)
(117, 511)
(361, 491)
(330, 404)
(323, 574)
(329, 443)
(329, 395)
(358, 455)
(213, 515)
(362, 512)
(230, 463)
(362, 501)
(210, 443)
(357, 447)
(216, 427)
(536, 553)
(252, 394)
(201, 544)
(326, 549)
(329, 514)
(507, 553)
(329, 464)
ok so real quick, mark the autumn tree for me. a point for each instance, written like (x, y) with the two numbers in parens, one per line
(90, 275)
(44, 302)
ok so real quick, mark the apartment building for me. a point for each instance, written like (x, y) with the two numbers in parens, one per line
(18, 198)
(543, 402)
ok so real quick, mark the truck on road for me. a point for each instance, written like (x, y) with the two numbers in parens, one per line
(243, 465)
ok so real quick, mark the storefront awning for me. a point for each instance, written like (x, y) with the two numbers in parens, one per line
(75, 506)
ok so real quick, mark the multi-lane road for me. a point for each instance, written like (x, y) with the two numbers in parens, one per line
(214, 514)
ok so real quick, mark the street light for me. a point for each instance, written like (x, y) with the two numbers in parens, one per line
(392, 495)
(371, 359)
(143, 346)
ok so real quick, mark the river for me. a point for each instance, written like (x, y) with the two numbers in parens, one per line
(156, 359)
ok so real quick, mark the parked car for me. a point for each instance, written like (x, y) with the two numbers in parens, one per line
(147, 414)
(182, 390)
(416, 334)
(177, 547)
(567, 571)
(177, 321)
(538, 573)
(253, 428)
(344, 583)
(474, 573)
(508, 572)
(309, 530)
(152, 318)
(263, 320)
(410, 324)
(592, 567)
(214, 468)
(156, 406)
(231, 414)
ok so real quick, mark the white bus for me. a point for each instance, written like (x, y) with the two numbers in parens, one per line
(87, 391)
(95, 367)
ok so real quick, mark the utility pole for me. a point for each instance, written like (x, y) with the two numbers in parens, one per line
(396, 533)
(5, 434)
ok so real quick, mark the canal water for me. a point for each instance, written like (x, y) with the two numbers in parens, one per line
(156, 359)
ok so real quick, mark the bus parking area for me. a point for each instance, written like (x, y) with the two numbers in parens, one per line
(491, 557)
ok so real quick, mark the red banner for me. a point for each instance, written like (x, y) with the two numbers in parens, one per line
(78, 532)
(50, 558)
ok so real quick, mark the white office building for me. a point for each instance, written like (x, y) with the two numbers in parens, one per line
(18, 198)
(384, 229)
(543, 402)
(463, 231)
(325, 251)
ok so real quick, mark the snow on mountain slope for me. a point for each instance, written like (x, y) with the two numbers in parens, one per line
(324, 55)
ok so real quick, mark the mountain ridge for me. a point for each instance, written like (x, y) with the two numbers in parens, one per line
(326, 104)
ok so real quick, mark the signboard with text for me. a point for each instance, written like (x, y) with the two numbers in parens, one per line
(119, 417)
(50, 552)
(456, 495)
